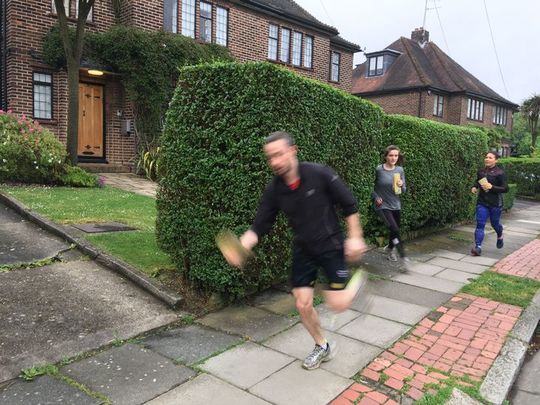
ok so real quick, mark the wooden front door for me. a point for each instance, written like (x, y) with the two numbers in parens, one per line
(90, 120)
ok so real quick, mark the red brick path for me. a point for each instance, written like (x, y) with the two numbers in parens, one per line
(524, 262)
(462, 337)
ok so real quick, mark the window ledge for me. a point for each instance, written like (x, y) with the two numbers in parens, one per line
(278, 62)
(45, 121)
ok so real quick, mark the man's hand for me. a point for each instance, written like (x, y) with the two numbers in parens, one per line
(354, 249)
(379, 201)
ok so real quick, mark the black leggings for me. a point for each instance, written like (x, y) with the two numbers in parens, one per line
(392, 219)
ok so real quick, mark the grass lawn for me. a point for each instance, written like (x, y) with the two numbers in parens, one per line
(68, 205)
(503, 288)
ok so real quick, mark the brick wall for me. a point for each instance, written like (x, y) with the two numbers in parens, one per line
(404, 103)
(28, 21)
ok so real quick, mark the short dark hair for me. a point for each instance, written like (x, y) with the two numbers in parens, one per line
(494, 153)
(279, 135)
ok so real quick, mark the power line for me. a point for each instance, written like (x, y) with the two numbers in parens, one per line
(495, 50)
(440, 24)
(328, 15)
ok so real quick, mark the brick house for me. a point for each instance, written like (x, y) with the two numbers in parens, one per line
(415, 77)
(278, 31)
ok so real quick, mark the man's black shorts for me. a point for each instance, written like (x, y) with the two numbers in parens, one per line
(305, 268)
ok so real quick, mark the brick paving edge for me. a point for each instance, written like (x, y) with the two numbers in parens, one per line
(502, 374)
(162, 293)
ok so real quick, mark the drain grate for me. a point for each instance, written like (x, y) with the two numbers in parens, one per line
(103, 227)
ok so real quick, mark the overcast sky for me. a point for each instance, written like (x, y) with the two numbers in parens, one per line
(465, 34)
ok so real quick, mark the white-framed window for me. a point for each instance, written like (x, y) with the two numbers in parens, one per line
(66, 7)
(376, 65)
(222, 26)
(188, 18)
(285, 45)
(273, 33)
(475, 109)
(499, 115)
(206, 21)
(308, 51)
(170, 16)
(335, 64)
(438, 105)
(90, 15)
(297, 48)
(42, 86)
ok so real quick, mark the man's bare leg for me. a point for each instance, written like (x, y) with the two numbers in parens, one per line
(310, 319)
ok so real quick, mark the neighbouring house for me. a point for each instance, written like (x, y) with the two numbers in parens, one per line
(415, 77)
(278, 31)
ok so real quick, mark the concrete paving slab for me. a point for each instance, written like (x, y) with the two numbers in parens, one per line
(254, 323)
(129, 374)
(425, 269)
(431, 283)
(246, 365)
(409, 293)
(482, 260)
(448, 254)
(458, 265)
(374, 330)
(300, 387)
(396, 310)
(44, 390)
(351, 355)
(456, 275)
(460, 398)
(63, 309)
(525, 398)
(190, 344)
(24, 242)
(279, 302)
(206, 389)
(332, 321)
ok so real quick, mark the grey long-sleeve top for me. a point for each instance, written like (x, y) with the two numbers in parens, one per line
(384, 182)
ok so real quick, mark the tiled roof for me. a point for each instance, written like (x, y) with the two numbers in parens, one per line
(337, 40)
(422, 66)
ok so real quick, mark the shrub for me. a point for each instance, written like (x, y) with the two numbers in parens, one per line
(77, 177)
(525, 172)
(214, 171)
(28, 152)
(509, 198)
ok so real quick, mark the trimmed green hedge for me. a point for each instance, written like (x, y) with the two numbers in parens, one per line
(214, 171)
(510, 197)
(525, 172)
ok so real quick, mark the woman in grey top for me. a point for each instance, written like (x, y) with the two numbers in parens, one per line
(389, 184)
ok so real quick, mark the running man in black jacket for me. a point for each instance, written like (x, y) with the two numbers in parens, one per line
(307, 193)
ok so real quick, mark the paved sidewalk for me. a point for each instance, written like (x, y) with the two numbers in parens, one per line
(130, 182)
(252, 353)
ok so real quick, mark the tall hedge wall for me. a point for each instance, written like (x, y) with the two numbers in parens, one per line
(215, 172)
(525, 172)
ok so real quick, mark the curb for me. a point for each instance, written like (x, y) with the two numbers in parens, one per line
(160, 292)
(505, 369)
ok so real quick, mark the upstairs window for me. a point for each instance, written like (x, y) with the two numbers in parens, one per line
(475, 109)
(273, 42)
(188, 18)
(308, 51)
(297, 48)
(222, 26)
(376, 65)
(170, 16)
(499, 115)
(206, 21)
(42, 86)
(335, 64)
(285, 45)
(438, 104)
(66, 7)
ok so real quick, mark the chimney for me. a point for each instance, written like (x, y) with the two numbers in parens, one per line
(420, 35)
